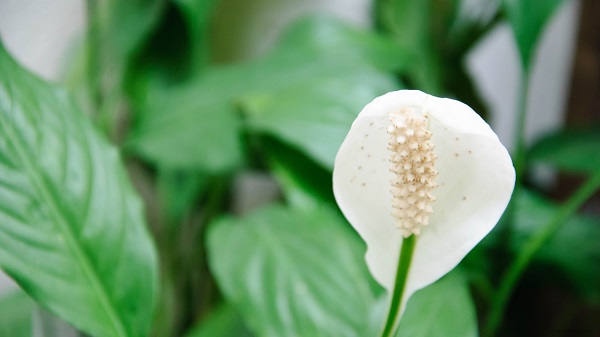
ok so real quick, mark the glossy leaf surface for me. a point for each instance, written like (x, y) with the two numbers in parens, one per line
(72, 232)
(288, 272)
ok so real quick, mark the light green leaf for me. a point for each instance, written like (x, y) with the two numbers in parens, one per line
(570, 150)
(189, 131)
(573, 250)
(16, 309)
(528, 18)
(72, 232)
(444, 308)
(315, 115)
(320, 67)
(224, 321)
(293, 273)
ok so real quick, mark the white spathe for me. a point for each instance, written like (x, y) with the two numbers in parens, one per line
(475, 183)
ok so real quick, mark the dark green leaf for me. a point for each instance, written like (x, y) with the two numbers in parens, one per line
(197, 15)
(16, 309)
(179, 191)
(409, 22)
(120, 29)
(322, 70)
(304, 183)
(224, 321)
(573, 250)
(528, 18)
(468, 21)
(292, 272)
(72, 232)
(570, 150)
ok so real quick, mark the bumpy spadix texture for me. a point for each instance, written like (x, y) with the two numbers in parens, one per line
(475, 179)
(412, 160)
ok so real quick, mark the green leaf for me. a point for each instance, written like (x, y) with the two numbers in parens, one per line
(576, 150)
(121, 28)
(72, 232)
(16, 309)
(323, 106)
(573, 250)
(528, 18)
(469, 21)
(197, 15)
(322, 69)
(224, 321)
(178, 191)
(189, 131)
(444, 308)
(292, 272)
(409, 22)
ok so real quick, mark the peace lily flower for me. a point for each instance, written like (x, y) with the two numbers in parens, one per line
(422, 177)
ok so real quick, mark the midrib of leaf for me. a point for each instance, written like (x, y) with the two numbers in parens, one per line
(83, 260)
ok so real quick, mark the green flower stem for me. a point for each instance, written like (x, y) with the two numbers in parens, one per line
(406, 253)
(533, 245)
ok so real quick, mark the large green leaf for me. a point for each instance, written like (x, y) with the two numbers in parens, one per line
(528, 19)
(72, 232)
(573, 250)
(320, 66)
(224, 321)
(293, 273)
(16, 309)
(576, 150)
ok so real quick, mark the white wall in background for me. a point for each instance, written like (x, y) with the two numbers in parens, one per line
(40, 32)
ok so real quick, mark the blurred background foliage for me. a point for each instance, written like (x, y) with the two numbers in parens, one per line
(231, 145)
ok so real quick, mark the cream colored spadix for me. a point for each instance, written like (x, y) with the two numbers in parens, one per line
(405, 150)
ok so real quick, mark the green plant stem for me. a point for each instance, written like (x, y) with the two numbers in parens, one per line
(514, 272)
(406, 253)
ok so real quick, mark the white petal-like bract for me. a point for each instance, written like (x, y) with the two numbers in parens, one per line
(475, 183)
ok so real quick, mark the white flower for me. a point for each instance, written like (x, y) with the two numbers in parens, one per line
(417, 164)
